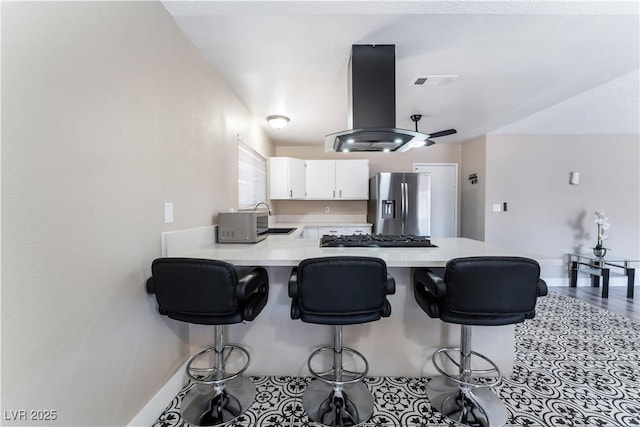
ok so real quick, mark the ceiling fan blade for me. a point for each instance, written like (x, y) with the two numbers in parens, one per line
(442, 133)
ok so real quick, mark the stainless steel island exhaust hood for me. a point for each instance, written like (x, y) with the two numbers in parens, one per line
(372, 109)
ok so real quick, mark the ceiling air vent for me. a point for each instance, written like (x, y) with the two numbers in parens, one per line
(433, 80)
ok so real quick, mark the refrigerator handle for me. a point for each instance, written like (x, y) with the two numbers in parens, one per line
(405, 197)
(401, 205)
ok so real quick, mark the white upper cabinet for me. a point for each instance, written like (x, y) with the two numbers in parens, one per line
(337, 179)
(286, 178)
(320, 179)
(352, 179)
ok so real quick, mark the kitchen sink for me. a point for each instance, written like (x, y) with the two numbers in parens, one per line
(280, 230)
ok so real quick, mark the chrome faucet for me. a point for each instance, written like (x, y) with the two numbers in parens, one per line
(263, 203)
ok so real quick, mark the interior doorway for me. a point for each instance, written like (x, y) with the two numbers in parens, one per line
(444, 197)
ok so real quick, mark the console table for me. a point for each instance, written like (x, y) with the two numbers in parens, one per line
(601, 267)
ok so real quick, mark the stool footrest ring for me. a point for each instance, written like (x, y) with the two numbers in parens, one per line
(214, 375)
(470, 378)
(357, 376)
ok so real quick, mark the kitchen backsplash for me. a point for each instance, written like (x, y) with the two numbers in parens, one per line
(311, 219)
(319, 207)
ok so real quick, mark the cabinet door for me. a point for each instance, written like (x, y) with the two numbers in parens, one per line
(296, 178)
(320, 179)
(278, 178)
(359, 230)
(286, 178)
(333, 231)
(310, 233)
(352, 179)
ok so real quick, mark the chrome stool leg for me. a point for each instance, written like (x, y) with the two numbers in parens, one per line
(217, 396)
(337, 397)
(461, 398)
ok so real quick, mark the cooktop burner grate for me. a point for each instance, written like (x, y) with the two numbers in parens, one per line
(376, 241)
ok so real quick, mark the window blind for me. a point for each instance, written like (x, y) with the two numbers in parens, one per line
(252, 176)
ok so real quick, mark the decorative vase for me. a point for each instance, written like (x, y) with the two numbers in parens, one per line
(599, 251)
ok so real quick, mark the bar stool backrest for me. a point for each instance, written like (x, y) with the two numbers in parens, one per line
(341, 290)
(207, 292)
(491, 285)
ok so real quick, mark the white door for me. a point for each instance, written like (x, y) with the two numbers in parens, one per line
(444, 197)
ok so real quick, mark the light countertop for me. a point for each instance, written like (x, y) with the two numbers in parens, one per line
(289, 251)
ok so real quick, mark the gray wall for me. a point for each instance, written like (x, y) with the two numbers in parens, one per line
(473, 195)
(108, 112)
(548, 216)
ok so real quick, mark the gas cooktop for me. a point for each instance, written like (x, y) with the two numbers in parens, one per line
(376, 241)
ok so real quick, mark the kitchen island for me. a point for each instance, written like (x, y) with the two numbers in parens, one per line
(400, 345)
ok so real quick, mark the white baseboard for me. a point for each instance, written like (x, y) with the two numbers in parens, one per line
(556, 281)
(158, 403)
(582, 281)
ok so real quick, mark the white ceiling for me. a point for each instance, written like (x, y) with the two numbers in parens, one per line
(513, 58)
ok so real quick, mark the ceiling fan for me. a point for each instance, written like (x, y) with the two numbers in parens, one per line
(415, 118)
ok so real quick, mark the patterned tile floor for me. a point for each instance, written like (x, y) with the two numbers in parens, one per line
(581, 369)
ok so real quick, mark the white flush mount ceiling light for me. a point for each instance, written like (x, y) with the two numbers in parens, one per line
(277, 122)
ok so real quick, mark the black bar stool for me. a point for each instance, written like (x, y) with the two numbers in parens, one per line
(208, 292)
(339, 291)
(488, 291)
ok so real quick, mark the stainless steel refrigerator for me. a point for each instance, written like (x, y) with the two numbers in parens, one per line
(400, 203)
